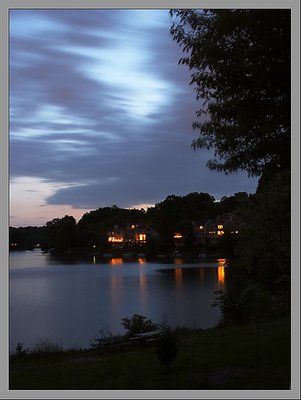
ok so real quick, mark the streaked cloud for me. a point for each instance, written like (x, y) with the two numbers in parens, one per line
(101, 113)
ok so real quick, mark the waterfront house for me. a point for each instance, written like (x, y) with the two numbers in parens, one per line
(131, 235)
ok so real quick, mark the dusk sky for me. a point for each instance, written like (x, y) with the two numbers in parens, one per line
(101, 114)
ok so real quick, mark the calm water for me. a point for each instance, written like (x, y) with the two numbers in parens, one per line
(72, 303)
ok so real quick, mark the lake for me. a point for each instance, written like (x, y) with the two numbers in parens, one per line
(70, 303)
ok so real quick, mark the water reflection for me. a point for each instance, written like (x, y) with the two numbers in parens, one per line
(116, 261)
(142, 279)
(221, 275)
(49, 298)
(221, 271)
(202, 275)
(178, 277)
(116, 282)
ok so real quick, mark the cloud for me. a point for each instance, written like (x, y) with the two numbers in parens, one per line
(99, 104)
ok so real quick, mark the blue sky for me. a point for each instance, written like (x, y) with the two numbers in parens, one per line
(101, 114)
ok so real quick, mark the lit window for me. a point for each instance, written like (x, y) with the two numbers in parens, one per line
(133, 226)
(220, 226)
(236, 231)
(115, 239)
(201, 227)
(142, 237)
(220, 232)
(177, 236)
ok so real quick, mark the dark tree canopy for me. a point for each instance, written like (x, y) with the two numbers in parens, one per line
(240, 62)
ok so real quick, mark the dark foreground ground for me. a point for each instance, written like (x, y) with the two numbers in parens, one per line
(240, 356)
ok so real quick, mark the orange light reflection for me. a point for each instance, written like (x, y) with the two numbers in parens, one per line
(178, 276)
(221, 271)
(116, 261)
(142, 280)
(221, 262)
(221, 275)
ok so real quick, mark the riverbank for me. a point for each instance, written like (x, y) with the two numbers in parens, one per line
(238, 356)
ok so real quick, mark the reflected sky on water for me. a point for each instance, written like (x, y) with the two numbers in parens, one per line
(69, 303)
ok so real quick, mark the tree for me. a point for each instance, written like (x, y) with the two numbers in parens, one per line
(240, 63)
(60, 233)
(66, 233)
(261, 257)
(138, 324)
(264, 247)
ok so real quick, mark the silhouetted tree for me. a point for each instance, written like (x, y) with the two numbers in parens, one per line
(240, 62)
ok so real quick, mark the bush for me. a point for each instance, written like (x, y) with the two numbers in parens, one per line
(138, 324)
(45, 346)
(20, 351)
(167, 347)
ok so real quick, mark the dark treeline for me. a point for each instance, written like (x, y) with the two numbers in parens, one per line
(174, 214)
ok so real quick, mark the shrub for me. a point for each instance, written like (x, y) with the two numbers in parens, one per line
(138, 324)
(45, 346)
(20, 351)
(167, 347)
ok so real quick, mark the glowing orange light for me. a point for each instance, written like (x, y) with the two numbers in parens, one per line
(116, 261)
(142, 237)
(178, 236)
(133, 226)
(115, 239)
(220, 226)
(141, 260)
(201, 227)
(220, 233)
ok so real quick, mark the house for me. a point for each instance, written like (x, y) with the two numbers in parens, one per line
(214, 229)
(116, 237)
(200, 230)
(131, 235)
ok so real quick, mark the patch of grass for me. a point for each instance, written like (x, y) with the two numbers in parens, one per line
(230, 357)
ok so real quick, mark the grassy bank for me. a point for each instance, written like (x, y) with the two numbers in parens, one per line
(240, 356)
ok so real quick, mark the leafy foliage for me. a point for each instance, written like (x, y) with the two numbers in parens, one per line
(260, 265)
(138, 324)
(20, 350)
(240, 63)
(264, 246)
(257, 302)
